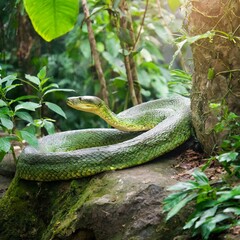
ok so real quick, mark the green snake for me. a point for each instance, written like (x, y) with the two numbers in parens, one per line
(145, 131)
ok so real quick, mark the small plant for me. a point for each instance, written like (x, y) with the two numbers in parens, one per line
(216, 208)
(16, 111)
(216, 205)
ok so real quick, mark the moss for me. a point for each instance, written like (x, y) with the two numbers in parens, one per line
(19, 218)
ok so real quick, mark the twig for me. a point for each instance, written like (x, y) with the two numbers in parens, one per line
(141, 26)
(95, 54)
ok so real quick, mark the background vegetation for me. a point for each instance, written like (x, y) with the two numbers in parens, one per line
(70, 64)
(144, 32)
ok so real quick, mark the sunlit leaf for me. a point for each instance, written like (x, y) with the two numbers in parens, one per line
(50, 86)
(8, 78)
(42, 73)
(29, 138)
(2, 103)
(54, 107)
(28, 106)
(174, 4)
(227, 157)
(235, 210)
(58, 90)
(32, 79)
(208, 213)
(49, 126)
(52, 18)
(200, 177)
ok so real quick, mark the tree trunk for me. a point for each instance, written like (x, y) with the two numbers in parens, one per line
(216, 77)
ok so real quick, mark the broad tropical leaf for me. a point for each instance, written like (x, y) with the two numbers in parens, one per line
(52, 18)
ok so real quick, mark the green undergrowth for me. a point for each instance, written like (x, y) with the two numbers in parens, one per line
(216, 203)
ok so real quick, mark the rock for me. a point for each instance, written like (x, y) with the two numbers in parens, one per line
(125, 204)
(7, 166)
(4, 183)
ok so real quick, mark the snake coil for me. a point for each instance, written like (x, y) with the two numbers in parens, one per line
(81, 153)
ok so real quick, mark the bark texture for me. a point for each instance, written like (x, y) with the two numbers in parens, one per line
(219, 55)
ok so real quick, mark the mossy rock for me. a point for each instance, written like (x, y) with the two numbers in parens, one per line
(124, 205)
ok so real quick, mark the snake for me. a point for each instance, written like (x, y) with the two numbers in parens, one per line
(138, 135)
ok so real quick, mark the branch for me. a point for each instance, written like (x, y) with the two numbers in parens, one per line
(94, 51)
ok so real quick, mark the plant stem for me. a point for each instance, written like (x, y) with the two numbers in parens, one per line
(95, 54)
(14, 154)
(126, 23)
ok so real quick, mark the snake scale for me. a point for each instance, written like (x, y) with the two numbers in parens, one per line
(146, 131)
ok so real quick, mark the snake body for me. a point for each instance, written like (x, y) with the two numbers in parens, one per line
(81, 153)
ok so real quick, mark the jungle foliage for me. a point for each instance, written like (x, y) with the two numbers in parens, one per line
(139, 35)
(69, 60)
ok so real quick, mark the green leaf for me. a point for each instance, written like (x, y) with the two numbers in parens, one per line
(58, 90)
(170, 201)
(28, 106)
(192, 221)
(32, 79)
(2, 155)
(211, 73)
(52, 18)
(180, 205)
(227, 157)
(235, 210)
(4, 111)
(7, 123)
(201, 178)
(174, 4)
(29, 138)
(2, 103)
(49, 126)
(8, 88)
(5, 144)
(23, 98)
(183, 186)
(206, 214)
(24, 116)
(53, 85)
(55, 108)
(233, 194)
(206, 229)
(8, 78)
(42, 73)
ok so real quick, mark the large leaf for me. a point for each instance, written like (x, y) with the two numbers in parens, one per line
(52, 18)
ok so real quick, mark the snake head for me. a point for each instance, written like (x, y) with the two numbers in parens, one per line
(85, 103)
